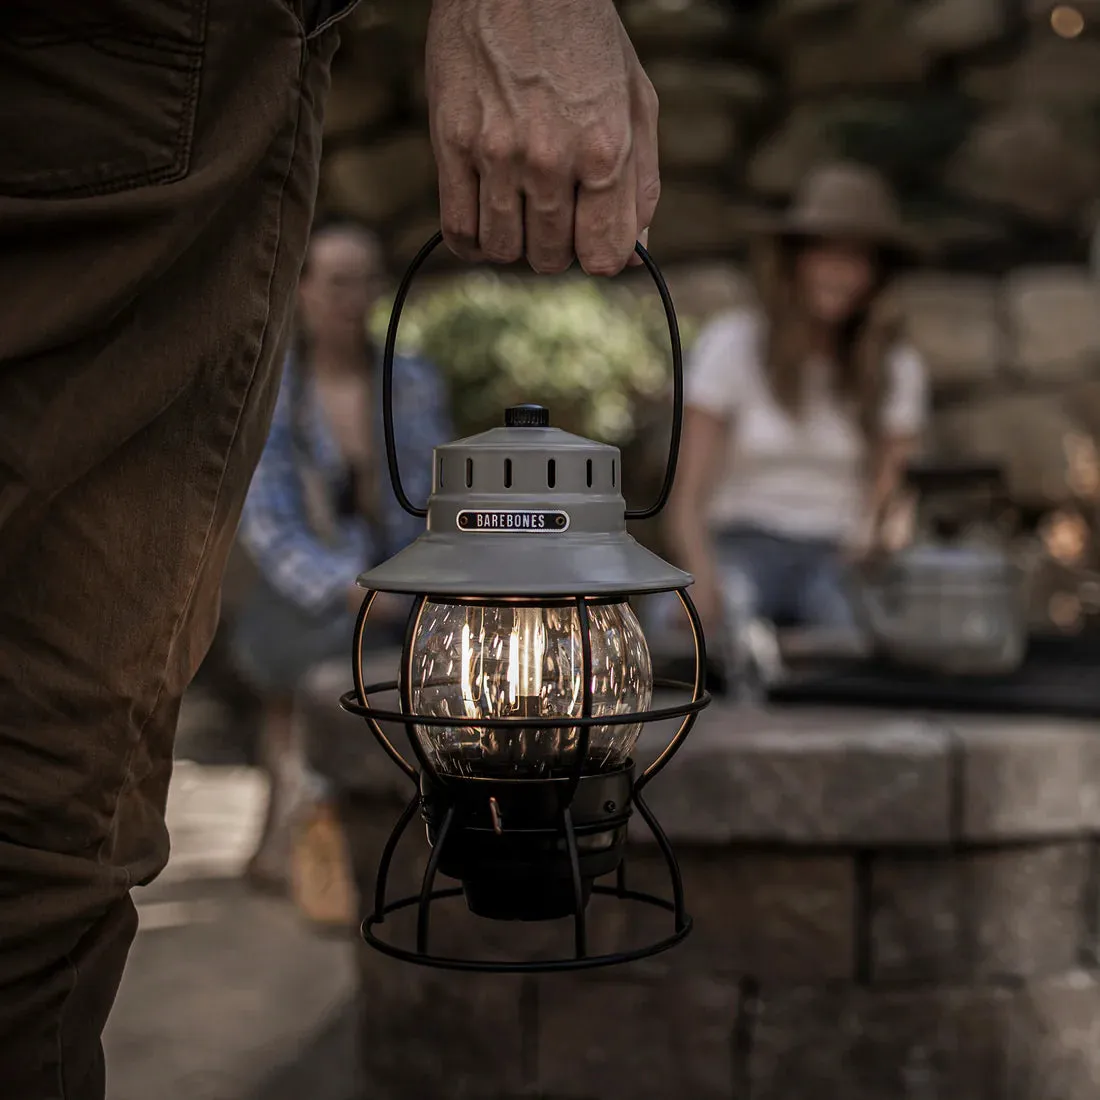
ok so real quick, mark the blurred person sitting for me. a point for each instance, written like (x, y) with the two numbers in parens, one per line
(800, 415)
(319, 512)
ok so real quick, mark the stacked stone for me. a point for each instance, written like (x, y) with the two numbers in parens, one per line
(885, 909)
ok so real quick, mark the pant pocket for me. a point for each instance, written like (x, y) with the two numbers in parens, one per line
(97, 98)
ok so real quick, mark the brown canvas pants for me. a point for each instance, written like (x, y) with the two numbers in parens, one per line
(158, 167)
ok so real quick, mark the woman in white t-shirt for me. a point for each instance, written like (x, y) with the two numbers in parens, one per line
(801, 414)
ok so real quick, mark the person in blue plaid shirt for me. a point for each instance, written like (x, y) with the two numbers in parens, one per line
(319, 511)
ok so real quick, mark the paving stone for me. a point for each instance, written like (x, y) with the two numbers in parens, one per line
(616, 1040)
(214, 816)
(212, 1004)
(954, 917)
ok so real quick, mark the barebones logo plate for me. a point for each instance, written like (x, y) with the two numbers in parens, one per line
(550, 522)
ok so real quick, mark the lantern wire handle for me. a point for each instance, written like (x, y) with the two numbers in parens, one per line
(677, 382)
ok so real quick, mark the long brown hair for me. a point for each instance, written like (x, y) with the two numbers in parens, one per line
(863, 345)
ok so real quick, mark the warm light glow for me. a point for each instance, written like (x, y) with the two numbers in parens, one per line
(1066, 537)
(513, 668)
(522, 662)
(529, 643)
(1066, 21)
(468, 698)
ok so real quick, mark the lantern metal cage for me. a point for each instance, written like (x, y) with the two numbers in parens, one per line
(545, 535)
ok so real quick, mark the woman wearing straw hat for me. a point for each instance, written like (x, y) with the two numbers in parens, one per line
(801, 412)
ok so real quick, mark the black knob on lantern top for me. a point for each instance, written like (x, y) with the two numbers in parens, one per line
(527, 416)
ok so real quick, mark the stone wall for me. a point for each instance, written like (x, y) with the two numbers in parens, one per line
(885, 909)
(985, 119)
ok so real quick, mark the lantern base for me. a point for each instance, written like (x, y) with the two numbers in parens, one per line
(529, 849)
(525, 898)
(421, 956)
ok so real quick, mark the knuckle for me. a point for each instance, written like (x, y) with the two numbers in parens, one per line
(545, 157)
(499, 205)
(603, 154)
(497, 146)
(458, 236)
(454, 131)
(457, 226)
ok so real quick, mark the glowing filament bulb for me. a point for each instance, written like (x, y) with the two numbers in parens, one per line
(526, 656)
(513, 668)
(466, 663)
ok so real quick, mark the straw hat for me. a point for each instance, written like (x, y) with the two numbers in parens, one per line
(848, 201)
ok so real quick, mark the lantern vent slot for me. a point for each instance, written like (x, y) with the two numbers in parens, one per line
(588, 469)
(469, 473)
(612, 473)
(551, 473)
(440, 477)
(507, 473)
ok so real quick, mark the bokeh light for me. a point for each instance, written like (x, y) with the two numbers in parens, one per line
(1066, 21)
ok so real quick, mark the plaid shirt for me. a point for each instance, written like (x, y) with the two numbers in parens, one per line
(314, 570)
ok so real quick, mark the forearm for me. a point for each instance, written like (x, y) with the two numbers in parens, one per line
(887, 473)
(691, 542)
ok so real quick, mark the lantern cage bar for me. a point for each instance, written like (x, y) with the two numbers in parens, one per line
(581, 814)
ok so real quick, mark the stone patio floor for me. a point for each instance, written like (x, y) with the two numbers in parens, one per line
(227, 995)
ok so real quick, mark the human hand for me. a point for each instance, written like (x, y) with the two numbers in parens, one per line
(544, 126)
(863, 548)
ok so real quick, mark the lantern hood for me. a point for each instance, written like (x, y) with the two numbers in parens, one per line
(525, 510)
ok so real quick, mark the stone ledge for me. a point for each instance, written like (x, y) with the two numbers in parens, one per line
(807, 777)
(870, 780)
(811, 776)
(1024, 778)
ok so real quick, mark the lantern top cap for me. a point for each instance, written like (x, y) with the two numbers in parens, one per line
(527, 416)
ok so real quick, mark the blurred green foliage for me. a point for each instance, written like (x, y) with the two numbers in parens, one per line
(593, 354)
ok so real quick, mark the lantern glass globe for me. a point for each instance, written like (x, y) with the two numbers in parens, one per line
(522, 661)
